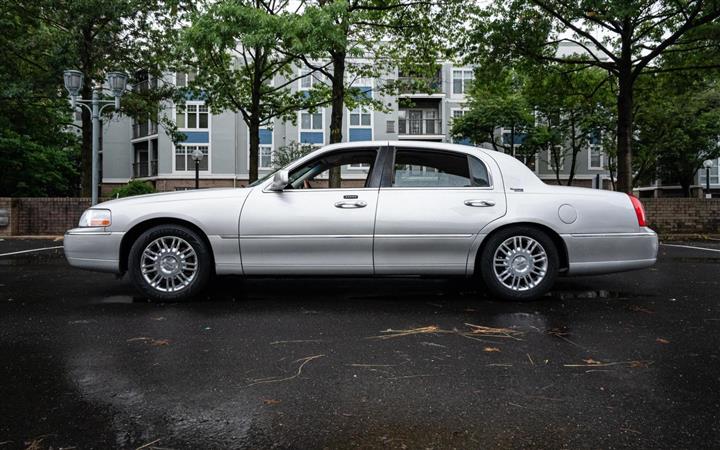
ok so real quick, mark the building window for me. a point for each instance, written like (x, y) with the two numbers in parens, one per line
(308, 78)
(182, 79)
(462, 81)
(360, 117)
(183, 157)
(265, 157)
(311, 130)
(311, 121)
(596, 157)
(192, 116)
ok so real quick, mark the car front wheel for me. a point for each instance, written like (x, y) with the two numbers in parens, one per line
(519, 263)
(169, 262)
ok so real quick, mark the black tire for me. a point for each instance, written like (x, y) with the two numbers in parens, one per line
(167, 289)
(527, 288)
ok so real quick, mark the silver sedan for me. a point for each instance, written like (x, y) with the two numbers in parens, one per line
(402, 208)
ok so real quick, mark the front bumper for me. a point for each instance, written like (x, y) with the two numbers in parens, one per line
(93, 249)
(612, 252)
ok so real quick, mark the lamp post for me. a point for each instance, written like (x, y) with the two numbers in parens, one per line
(73, 83)
(707, 164)
(197, 156)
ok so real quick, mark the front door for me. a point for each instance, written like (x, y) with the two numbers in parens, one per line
(310, 227)
(431, 209)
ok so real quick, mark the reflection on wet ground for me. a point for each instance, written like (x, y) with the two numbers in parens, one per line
(626, 360)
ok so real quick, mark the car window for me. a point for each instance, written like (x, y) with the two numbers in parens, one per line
(355, 167)
(478, 172)
(417, 168)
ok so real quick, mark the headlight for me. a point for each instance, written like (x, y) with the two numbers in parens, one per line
(96, 218)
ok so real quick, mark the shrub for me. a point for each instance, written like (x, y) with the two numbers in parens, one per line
(135, 187)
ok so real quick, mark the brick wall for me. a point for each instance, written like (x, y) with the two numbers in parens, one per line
(683, 215)
(53, 216)
(42, 216)
(6, 203)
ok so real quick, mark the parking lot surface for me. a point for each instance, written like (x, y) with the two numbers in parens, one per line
(619, 361)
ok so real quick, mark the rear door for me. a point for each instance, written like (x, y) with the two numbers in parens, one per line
(431, 205)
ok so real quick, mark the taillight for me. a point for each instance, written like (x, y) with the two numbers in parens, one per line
(639, 210)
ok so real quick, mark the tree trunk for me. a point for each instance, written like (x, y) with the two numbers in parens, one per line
(625, 127)
(337, 109)
(575, 150)
(253, 121)
(685, 186)
(254, 147)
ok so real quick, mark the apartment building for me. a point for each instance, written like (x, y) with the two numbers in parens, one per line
(140, 149)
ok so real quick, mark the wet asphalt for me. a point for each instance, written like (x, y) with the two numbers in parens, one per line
(618, 361)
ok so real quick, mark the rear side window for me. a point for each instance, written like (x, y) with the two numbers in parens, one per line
(478, 172)
(417, 168)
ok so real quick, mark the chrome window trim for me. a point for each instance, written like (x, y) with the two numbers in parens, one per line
(391, 167)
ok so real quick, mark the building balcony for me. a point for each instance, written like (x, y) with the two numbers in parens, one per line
(420, 127)
(145, 169)
(419, 86)
(143, 129)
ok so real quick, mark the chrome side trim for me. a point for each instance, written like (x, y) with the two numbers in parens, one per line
(611, 235)
(354, 236)
(307, 236)
(423, 236)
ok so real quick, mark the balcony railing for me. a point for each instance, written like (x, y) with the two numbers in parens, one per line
(145, 169)
(420, 126)
(417, 85)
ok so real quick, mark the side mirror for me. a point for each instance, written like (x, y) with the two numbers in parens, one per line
(280, 180)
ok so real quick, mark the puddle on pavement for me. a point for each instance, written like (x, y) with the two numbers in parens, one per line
(122, 299)
(571, 295)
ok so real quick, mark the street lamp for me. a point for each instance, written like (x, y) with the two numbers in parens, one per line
(117, 81)
(197, 156)
(707, 164)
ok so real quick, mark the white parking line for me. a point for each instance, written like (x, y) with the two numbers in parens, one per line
(30, 251)
(692, 247)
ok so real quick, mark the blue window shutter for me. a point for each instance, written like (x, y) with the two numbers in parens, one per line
(360, 134)
(311, 137)
(265, 137)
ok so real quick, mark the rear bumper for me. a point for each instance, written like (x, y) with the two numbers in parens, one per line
(93, 249)
(612, 252)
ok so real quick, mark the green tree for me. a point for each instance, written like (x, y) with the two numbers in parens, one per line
(235, 46)
(96, 36)
(38, 151)
(678, 126)
(498, 102)
(571, 108)
(384, 34)
(622, 37)
(289, 153)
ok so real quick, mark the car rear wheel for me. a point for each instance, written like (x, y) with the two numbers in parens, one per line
(519, 263)
(169, 262)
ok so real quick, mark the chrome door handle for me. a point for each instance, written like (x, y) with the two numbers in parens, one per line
(348, 205)
(479, 203)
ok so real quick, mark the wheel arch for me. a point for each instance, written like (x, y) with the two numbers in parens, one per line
(133, 233)
(557, 240)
